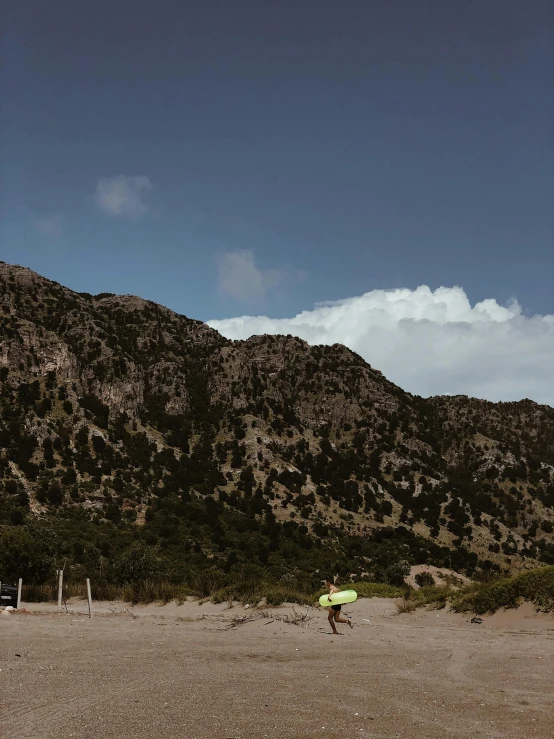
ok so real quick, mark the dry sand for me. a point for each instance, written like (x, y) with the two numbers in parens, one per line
(180, 672)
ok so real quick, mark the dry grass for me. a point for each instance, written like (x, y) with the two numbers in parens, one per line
(405, 605)
(296, 619)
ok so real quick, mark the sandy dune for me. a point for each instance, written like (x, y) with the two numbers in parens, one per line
(181, 672)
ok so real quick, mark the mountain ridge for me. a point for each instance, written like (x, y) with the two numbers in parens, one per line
(121, 413)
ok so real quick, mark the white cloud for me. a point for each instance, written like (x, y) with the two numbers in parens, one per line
(430, 343)
(123, 196)
(52, 226)
(240, 278)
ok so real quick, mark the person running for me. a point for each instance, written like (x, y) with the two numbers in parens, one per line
(334, 610)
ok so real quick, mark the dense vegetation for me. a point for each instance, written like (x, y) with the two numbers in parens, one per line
(535, 586)
(137, 445)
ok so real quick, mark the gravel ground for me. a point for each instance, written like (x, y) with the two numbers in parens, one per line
(186, 672)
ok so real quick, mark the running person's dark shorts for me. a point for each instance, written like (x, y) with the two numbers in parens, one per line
(337, 607)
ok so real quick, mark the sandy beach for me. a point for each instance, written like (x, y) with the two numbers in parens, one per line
(190, 672)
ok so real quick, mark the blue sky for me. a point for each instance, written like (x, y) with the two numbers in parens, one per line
(260, 157)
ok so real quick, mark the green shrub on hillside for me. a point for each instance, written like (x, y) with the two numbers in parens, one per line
(536, 586)
(424, 578)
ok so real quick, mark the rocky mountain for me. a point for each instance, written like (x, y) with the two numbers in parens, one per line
(127, 427)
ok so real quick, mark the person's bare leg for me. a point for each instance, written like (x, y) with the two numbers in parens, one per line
(331, 621)
(342, 620)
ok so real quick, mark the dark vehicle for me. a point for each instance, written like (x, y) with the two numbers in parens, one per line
(8, 595)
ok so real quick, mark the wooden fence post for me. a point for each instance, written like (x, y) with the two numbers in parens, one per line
(89, 596)
(60, 588)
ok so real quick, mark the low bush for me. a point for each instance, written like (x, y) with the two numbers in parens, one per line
(424, 578)
(535, 586)
(405, 605)
(435, 596)
(274, 595)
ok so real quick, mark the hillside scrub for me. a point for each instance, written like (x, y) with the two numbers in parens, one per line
(145, 591)
(535, 586)
(243, 590)
(375, 590)
(433, 596)
(251, 551)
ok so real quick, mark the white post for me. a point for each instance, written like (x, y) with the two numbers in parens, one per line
(60, 588)
(89, 596)
(19, 586)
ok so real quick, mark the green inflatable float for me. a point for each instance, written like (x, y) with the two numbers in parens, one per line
(338, 599)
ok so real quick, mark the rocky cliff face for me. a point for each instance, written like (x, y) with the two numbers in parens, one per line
(120, 409)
